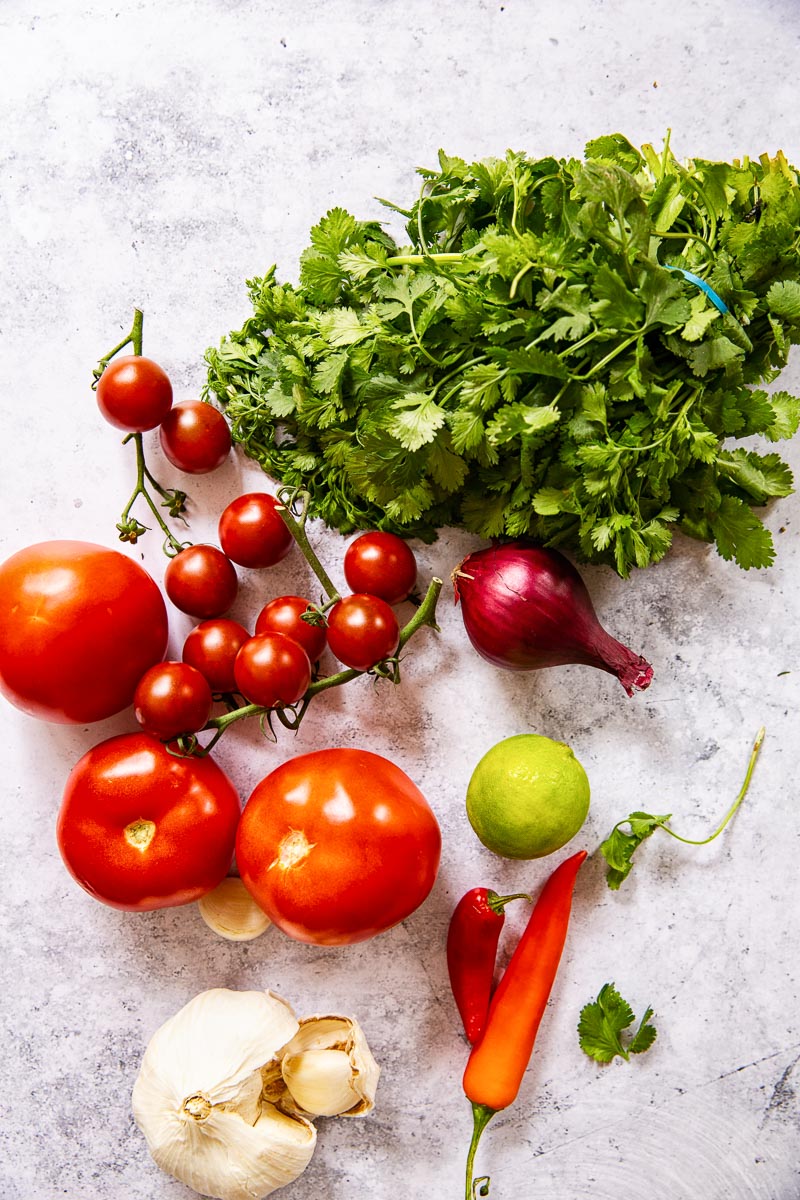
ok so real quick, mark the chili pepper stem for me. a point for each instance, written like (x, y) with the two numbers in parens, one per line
(498, 903)
(481, 1116)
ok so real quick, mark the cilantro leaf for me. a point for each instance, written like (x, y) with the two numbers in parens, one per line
(740, 535)
(602, 1023)
(527, 364)
(619, 847)
(786, 411)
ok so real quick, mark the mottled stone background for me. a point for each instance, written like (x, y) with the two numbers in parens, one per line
(159, 154)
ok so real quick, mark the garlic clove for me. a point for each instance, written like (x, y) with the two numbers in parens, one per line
(232, 912)
(328, 1068)
(197, 1097)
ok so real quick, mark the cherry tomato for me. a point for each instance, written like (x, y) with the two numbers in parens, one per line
(195, 437)
(80, 625)
(172, 698)
(285, 615)
(141, 828)
(201, 581)
(211, 648)
(381, 564)
(134, 393)
(252, 533)
(337, 846)
(271, 669)
(362, 631)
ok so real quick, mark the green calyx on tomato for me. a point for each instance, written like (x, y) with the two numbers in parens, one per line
(337, 846)
(142, 828)
(81, 624)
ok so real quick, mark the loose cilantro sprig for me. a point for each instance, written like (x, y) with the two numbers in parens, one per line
(602, 1023)
(528, 365)
(619, 846)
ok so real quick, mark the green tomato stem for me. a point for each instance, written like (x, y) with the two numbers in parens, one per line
(293, 508)
(130, 529)
(424, 615)
(134, 339)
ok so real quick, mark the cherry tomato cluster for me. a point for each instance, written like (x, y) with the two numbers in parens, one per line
(274, 666)
(135, 394)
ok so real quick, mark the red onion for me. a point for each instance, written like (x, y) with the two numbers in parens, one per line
(525, 607)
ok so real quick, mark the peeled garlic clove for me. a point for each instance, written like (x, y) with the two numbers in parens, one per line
(328, 1068)
(232, 912)
(197, 1098)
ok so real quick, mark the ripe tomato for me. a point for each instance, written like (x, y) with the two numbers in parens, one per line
(172, 698)
(140, 828)
(211, 648)
(80, 625)
(252, 533)
(362, 631)
(337, 846)
(201, 581)
(285, 615)
(271, 669)
(195, 437)
(381, 564)
(134, 393)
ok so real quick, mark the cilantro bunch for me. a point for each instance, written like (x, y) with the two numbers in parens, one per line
(536, 362)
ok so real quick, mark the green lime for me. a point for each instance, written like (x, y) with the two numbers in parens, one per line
(527, 796)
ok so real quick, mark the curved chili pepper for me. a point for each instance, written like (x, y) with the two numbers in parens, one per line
(472, 940)
(499, 1059)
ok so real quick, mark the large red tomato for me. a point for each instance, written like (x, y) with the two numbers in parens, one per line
(337, 846)
(140, 828)
(79, 626)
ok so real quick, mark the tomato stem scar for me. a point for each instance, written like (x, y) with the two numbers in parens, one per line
(140, 833)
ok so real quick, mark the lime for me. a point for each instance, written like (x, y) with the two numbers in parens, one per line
(527, 796)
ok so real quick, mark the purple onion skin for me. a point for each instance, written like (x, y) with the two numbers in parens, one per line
(525, 607)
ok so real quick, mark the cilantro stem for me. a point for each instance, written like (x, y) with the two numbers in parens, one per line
(417, 260)
(611, 355)
(742, 793)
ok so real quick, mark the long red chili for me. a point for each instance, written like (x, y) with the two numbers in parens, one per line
(499, 1059)
(472, 940)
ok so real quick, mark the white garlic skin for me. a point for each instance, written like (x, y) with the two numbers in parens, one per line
(198, 1097)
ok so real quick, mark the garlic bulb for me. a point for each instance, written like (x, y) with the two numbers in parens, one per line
(232, 912)
(328, 1068)
(198, 1097)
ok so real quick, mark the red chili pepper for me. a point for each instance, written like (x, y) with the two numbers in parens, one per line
(472, 941)
(499, 1060)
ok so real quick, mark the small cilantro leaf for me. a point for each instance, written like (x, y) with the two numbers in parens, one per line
(602, 1023)
(619, 847)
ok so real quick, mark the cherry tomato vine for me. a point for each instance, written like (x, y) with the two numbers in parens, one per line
(370, 616)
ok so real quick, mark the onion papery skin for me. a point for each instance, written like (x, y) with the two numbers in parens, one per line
(526, 607)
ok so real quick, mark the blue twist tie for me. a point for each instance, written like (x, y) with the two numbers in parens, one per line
(716, 300)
